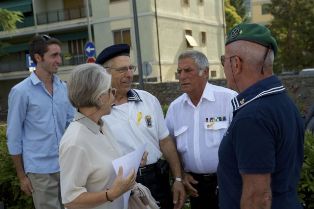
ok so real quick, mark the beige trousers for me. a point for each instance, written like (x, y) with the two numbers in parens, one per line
(46, 194)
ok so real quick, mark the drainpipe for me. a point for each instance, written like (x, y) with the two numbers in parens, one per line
(35, 16)
(138, 45)
(88, 20)
(158, 43)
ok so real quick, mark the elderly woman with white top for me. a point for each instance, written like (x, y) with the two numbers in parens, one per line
(88, 179)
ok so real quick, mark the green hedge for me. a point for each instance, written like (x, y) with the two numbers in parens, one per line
(13, 198)
(306, 187)
(10, 193)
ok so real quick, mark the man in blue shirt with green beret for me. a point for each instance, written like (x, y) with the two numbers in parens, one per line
(39, 112)
(261, 154)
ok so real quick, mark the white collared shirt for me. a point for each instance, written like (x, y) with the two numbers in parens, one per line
(139, 122)
(198, 130)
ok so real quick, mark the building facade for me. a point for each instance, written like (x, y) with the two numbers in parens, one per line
(260, 11)
(166, 28)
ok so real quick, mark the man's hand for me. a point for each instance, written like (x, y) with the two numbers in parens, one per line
(179, 195)
(26, 185)
(188, 180)
(144, 159)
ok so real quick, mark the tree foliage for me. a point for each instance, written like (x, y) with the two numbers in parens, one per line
(293, 27)
(239, 5)
(8, 19)
(232, 17)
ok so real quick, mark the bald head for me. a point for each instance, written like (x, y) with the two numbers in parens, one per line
(253, 55)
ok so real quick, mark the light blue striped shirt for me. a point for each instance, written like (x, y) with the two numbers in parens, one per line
(36, 123)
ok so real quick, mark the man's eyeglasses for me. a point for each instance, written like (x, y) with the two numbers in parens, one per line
(46, 37)
(223, 59)
(123, 69)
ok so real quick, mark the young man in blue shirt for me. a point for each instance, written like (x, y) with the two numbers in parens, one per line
(261, 154)
(39, 112)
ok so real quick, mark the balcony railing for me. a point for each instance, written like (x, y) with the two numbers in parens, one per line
(12, 67)
(74, 60)
(61, 15)
(21, 66)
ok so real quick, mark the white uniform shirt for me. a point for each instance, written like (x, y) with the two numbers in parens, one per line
(86, 161)
(199, 130)
(137, 122)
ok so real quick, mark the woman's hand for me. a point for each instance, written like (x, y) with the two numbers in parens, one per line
(121, 184)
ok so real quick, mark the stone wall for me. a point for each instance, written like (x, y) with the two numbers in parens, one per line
(301, 90)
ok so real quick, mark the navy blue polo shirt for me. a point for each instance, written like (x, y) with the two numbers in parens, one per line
(265, 136)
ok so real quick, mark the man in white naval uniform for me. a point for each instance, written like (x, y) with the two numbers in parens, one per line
(136, 119)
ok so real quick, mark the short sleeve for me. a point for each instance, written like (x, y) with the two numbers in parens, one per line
(169, 120)
(254, 146)
(162, 128)
(74, 171)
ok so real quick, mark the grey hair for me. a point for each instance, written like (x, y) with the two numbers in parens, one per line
(198, 57)
(87, 82)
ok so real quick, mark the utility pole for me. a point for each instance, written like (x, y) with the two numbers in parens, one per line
(138, 46)
(88, 21)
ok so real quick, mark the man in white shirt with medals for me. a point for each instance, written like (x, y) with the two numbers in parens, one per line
(198, 120)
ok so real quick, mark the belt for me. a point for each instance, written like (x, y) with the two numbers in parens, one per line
(204, 175)
(147, 169)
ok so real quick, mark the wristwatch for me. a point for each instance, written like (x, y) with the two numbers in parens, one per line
(179, 179)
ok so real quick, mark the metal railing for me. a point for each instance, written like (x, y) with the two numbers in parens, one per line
(61, 15)
(3, 118)
(12, 67)
(21, 65)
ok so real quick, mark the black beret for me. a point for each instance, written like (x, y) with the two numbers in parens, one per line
(254, 33)
(113, 51)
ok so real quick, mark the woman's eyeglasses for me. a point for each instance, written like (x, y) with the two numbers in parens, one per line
(113, 91)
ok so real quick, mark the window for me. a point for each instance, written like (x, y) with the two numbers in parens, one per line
(112, 1)
(188, 32)
(203, 37)
(266, 9)
(190, 41)
(213, 74)
(186, 2)
(75, 54)
(122, 36)
(76, 47)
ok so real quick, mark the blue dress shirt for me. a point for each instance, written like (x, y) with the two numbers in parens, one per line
(36, 123)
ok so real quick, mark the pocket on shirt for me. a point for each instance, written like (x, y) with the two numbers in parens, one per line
(181, 138)
(214, 132)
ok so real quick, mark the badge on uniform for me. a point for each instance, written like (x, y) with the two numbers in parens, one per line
(148, 120)
(216, 119)
(139, 118)
(209, 122)
(216, 123)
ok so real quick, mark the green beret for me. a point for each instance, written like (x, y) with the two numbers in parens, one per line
(254, 33)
